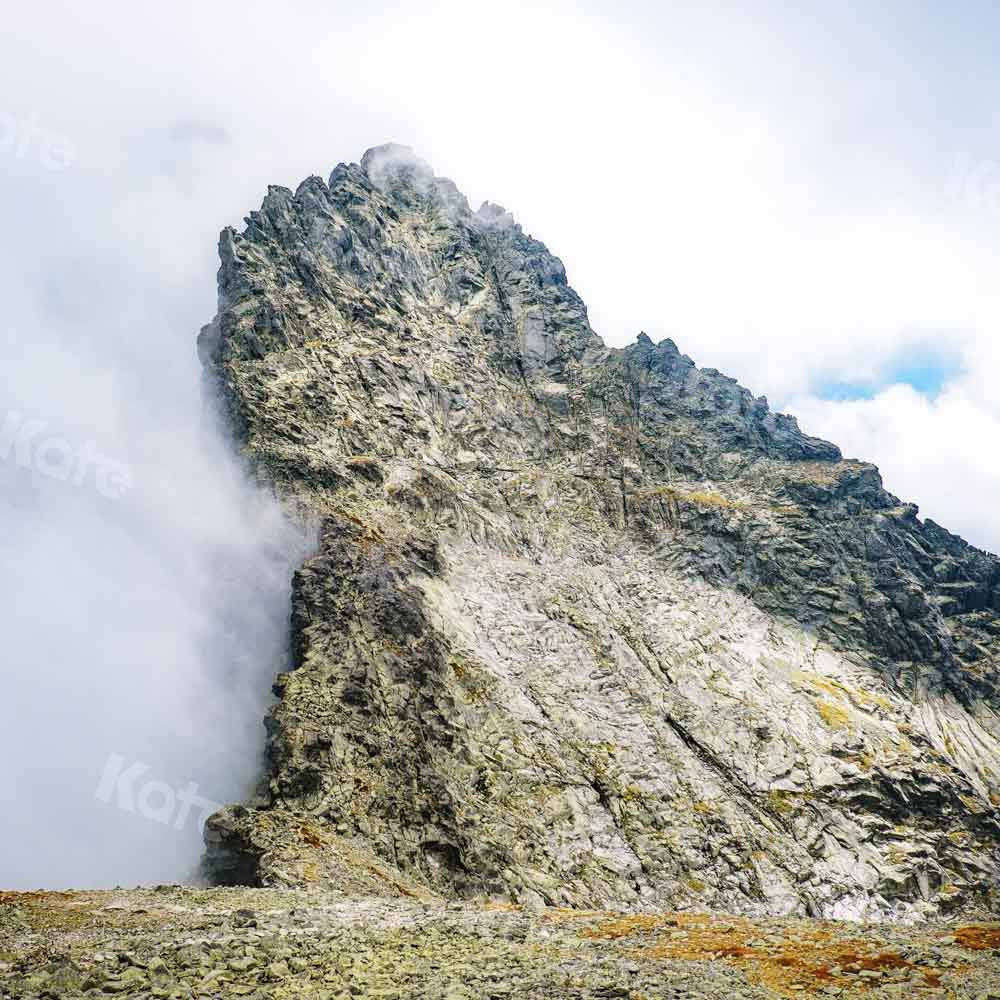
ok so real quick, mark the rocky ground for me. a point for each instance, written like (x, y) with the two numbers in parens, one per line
(181, 942)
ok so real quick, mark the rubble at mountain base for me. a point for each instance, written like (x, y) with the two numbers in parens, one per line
(178, 942)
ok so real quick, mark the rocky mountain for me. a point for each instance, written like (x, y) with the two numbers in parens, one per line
(584, 626)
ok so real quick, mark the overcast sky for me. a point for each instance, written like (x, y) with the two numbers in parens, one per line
(807, 199)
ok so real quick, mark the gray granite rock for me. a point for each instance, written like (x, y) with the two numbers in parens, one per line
(585, 626)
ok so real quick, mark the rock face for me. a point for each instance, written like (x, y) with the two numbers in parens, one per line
(585, 626)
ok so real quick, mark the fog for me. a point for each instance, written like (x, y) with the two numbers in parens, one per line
(145, 575)
(145, 586)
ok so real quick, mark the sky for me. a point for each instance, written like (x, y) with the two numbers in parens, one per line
(807, 199)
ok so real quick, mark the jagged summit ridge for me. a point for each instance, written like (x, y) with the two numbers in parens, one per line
(585, 624)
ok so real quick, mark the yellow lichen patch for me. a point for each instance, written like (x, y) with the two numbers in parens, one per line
(632, 793)
(311, 835)
(564, 914)
(858, 696)
(704, 499)
(474, 679)
(826, 473)
(369, 532)
(787, 510)
(49, 910)
(806, 679)
(445, 372)
(781, 801)
(973, 804)
(68, 911)
(700, 498)
(874, 699)
(833, 715)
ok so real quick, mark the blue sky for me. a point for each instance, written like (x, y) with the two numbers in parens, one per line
(927, 369)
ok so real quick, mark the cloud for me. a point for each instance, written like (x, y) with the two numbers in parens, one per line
(144, 617)
(933, 448)
(926, 367)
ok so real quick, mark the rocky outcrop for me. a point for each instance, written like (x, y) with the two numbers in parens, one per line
(587, 626)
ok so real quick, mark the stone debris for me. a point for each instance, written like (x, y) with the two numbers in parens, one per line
(180, 943)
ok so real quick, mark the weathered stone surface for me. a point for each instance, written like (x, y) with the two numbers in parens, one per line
(184, 943)
(585, 626)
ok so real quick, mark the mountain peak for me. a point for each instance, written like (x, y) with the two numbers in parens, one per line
(392, 159)
(587, 625)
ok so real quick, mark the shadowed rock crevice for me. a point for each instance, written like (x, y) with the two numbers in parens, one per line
(586, 625)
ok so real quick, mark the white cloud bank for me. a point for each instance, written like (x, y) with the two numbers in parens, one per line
(941, 450)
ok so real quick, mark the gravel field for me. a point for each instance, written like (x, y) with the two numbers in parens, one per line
(181, 942)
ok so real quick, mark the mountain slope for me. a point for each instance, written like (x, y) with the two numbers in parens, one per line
(584, 624)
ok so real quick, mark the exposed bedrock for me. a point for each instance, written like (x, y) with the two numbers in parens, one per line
(585, 625)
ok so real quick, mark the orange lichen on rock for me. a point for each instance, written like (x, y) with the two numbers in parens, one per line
(562, 914)
(311, 836)
(786, 960)
(624, 926)
(978, 937)
(46, 910)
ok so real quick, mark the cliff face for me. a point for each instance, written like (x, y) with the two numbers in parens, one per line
(584, 625)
